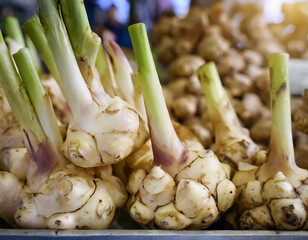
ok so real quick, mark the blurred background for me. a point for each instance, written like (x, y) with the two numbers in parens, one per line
(179, 27)
(110, 18)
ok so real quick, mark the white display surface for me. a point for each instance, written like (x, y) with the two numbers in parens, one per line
(298, 74)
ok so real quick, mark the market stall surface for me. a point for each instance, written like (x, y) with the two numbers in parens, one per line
(113, 234)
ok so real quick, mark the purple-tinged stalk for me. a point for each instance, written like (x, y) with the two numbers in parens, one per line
(103, 129)
(41, 152)
(169, 152)
(281, 152)
(69, 197)
(187, 187)
(39, 98)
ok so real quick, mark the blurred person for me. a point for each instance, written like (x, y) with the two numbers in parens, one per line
(114, 29)
(146, 11)
(112, 16)
(204, 3)
(109, 19)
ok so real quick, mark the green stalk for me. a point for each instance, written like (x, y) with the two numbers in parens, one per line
(17, 95)
(14, 37)
(122, 71)
(13, 45)
(74, 86)
(34, 55)
(105, 71)
(222, 114)
(281, 151)
(35, 31)
(85, 43)
(40, 151)
(232, 142)
(168, 150)
(280, 103)
(211, 84)
(38, 96)
(12, 29)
